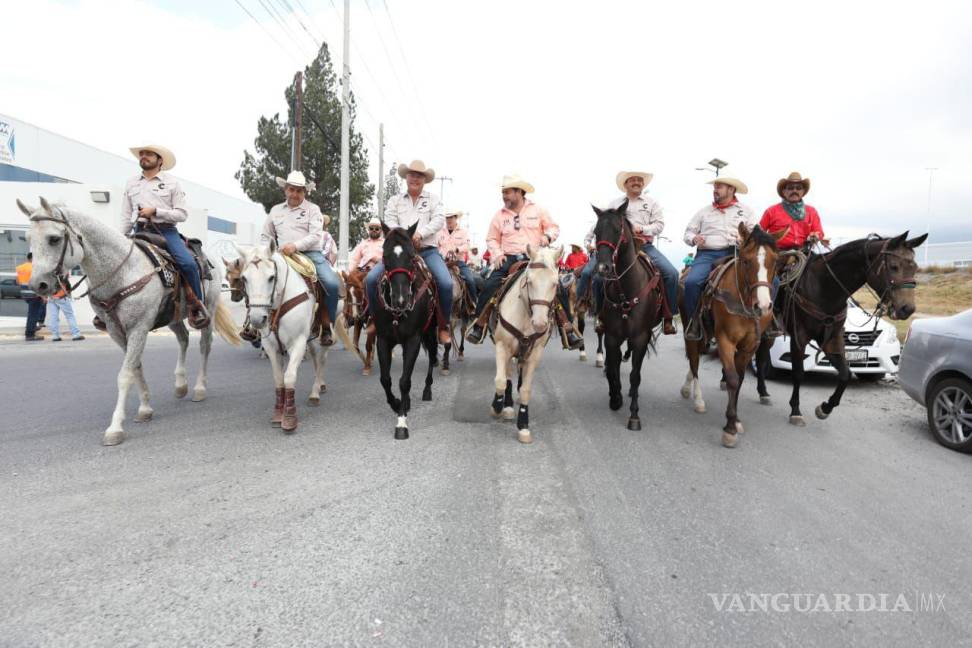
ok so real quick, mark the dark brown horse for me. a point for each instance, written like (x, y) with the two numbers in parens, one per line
(356, 313)
(815, 306)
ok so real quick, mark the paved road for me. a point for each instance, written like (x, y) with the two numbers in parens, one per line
(209, 528)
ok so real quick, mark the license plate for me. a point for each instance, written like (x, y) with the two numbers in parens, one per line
(856, 356)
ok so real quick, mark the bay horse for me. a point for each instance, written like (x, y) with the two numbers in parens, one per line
(463, 312)
(742, 309)
(125, 290)
(405, 315)
(579, 305)
(356, 314)
(815, 306)
(523, 322)
(632, 307)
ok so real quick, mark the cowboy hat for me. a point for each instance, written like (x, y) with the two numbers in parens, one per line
(625, 175)
(297, 179)
(418, 166)
(516, 182)
(327, 219)
(373, 221)
(794, 178)
(168, 157)
(575, 245)
(732, 182)
(457, 214)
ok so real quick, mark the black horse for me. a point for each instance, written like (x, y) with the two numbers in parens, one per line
(815, 306)
(405, 315)
(632, 303)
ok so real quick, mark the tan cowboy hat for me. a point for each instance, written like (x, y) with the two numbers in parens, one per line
(168, 157)
(625, 175)
(740, 186)
(327, 219)
(516, 182)
(297, 179)
(374, 221)
(795, 178)
(418, 166)
(575, 245)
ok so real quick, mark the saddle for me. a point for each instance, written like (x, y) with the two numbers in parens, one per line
(516, 270)
(465, 306)
(306, 270)
(195, 248)
(711, 291)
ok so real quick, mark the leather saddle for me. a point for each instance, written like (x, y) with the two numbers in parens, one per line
(195, 248)
(468, 306)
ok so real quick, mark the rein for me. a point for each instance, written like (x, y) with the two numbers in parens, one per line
(399, 313)
(526, 342)
(623, 304)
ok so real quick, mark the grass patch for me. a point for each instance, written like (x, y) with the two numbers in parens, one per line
(938, 294)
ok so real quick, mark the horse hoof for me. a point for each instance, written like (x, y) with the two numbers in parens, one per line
(113, 437)
(181, 391)
(461, 357)
(729, 439)
(444, 372)
(401, 433)
(798, 421)
(583, 357)
(634, 424)
(615, 405)
(524, 436)
(739, 427)
(765, 400)
(599, 361)
(366, 371)
(198, 395)
(700, 408)
(722, 385)
(323, 389)
(686, 392)
(508, 414)
(143, 415)
(820, 413)
(427, 395)
(313, 401)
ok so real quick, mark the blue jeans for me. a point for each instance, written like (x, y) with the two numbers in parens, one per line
(470, 278)
(54, 308)
(328, 279)
(698, 273)
(183, 257)
(35, 313)
(437, 266)
(668, 273)
(494, 280)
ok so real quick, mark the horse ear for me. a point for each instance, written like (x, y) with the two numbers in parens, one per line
(622, 208)
(898, 241)
(384, 229)
(24, 208)
(780, 234)
(411, 230)
(530, 251)
(743, 232)
(272, 247)
(46, 205)
(915, 242)
(597, 211)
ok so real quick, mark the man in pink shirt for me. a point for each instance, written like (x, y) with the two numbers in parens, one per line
(453, 244)
(519, 223)
(367, 253)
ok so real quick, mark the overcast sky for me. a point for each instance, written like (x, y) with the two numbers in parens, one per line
(859, 96)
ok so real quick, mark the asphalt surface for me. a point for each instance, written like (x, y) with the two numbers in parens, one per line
(207, 527)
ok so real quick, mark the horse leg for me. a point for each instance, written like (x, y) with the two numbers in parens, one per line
(463, 325)
(835, 352)
(446, 351)
(508, 392)
(727, 354)
(503, 386)
(525, 390)
(144, 408)
(430, 345)
(205, 346)
(796, 363)
(369, 353)
(581, 325)
(599, 358)
(613, 372)
(319, 357)
(273, 354)
(134, 346)
(410, 351)
(693, 387)
(762, 359)
(182, 335)
(295, 357)
(634, 382)
(384, 368)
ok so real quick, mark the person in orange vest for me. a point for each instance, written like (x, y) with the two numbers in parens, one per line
(59, 303)
(35, 303)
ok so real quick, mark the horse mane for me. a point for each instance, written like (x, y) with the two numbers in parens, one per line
(759, 236)
(855, 247)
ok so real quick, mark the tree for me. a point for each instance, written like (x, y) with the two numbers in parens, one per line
(392, 187)
(321, 151)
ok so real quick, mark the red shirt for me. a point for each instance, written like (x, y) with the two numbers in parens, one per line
(775, 219)
(575, 260)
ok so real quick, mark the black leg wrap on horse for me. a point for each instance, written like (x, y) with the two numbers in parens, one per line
(508, 396)
(523, 417)
(497, 403)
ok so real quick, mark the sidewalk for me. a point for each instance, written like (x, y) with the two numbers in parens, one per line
(12, 328)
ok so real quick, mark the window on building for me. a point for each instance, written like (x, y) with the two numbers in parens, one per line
(221, 225)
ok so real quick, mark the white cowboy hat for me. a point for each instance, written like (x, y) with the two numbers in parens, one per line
(732, 182)
(625, 175)
(374, 221)
(168, 157)
(516, 182)
(297, 179)
(327, 219)
(418, 166)
(457, 214)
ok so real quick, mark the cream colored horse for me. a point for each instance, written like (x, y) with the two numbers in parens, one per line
(523, 326)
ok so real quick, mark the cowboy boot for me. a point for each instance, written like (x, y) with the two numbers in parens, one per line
(198, 315)
(568, 336)
(774, 330)
(289, 421)
(278, 408)
(478, 332)
(694, 332)
(444, 336)
(669, 326)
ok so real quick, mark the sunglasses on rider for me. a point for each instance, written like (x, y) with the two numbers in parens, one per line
(374, 228)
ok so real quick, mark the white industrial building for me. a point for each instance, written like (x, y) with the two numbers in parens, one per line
(36, 162)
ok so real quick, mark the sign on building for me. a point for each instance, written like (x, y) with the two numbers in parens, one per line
(8, 146)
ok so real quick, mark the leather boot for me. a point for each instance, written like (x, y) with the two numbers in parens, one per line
(444, 337)
(571, 340)
(669, 326)
(694, 332)
(478, 332)
(278, 408)
(289, 422)
(774, 330)
(198, 315)
(326, 339)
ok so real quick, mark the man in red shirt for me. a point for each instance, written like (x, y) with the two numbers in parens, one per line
(576, 258)
(802, 219)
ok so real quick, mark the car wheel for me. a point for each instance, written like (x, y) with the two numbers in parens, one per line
(950, 413)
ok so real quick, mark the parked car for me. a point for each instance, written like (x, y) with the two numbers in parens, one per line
(9, 289)
(936, 371)
(871, 347)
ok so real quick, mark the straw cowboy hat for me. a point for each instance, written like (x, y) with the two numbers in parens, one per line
(168, 157)
(457, 214)
(516, 182)
(327, 219)
(740, 186)
(374, 221)
(794, 178)
(625, 175)
(418, 166)
(577, 247)
(296, 179)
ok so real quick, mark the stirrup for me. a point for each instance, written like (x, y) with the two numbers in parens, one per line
(693, 332)
(472, 336)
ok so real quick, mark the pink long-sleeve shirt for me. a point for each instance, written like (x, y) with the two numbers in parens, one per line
(511, 235)
(366, 252)
(455, 242)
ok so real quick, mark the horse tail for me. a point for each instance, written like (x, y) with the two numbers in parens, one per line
(225, 325)
(341, 326)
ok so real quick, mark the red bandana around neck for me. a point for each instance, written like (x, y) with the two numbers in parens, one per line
(723, 208)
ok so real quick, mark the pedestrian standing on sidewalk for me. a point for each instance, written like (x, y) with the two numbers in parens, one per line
(57, 304)
(35, 303)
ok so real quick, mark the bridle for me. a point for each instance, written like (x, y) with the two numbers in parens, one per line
(882, 272)
(399, 313)
(526, 342)
(623, 304)
(615, 251)
(750, 301)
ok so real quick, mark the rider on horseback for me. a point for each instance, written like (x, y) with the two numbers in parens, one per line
(367, 253)
(454, 241)
(417, 205)
(154, 201)
(519, 223)
(297, 225)
(715, 231)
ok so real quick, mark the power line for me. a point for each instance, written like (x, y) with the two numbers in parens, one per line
(274, 15)
(300, 22)
(268, 33)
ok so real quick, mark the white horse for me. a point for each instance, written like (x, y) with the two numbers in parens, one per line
(125, 279)
(522, 330)
(282, 309)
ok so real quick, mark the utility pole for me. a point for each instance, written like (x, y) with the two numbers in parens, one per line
(296, 161)
(381, 172)
(931, 172)
(442, 181)
(344, 229)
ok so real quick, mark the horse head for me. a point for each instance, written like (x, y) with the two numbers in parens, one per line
(891, 273)
(54, 245)
(757, 264)
(258, 274)
(541, 281)
(398, 256)
(234, 271)
(609, 233)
